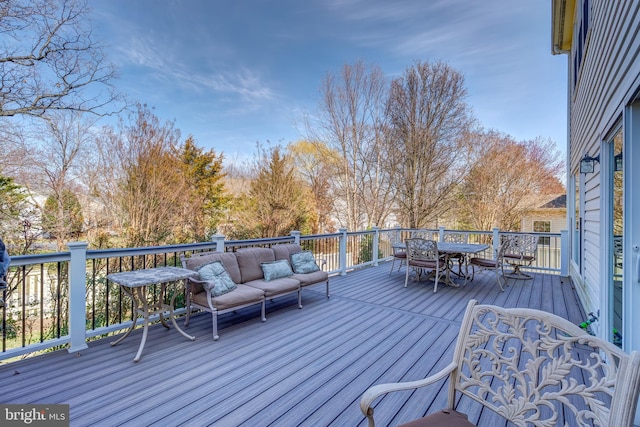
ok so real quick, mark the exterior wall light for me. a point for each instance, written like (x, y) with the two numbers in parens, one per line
(588, 163)
(618, 162)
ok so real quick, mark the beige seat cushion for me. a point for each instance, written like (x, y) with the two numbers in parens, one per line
(311, 278)
(240, 296)
(275, 287)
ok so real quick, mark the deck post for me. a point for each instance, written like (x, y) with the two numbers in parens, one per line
(564, 253)
(77, 296)
(376, 240)
(343, 251)
(296, 236)
(441, 233)
(496, 242)
(219, 241)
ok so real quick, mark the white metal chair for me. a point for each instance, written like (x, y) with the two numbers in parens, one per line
(399, 250)
(532, 368)
(422, 254)
(521, 252)
(496, 265)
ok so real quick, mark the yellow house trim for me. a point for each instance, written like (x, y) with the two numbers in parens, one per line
(562, 16)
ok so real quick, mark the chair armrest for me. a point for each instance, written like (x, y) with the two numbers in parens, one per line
(206, 289)
(195, 281)
(378, 390)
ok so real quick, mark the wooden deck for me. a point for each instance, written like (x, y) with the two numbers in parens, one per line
(305, 367)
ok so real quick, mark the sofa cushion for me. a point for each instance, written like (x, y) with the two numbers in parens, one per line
(304, 262)
(311, 278)
(285, 250)
(276, 270)
(249, 260)
(228, 259)
(216, 278)
(275, 287)
(241, 295)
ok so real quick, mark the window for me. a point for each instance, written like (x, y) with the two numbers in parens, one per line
(577, 232)
(543, 227)
(581, 42)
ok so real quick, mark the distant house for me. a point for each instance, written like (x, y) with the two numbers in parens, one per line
(550, 217)
(602, 45)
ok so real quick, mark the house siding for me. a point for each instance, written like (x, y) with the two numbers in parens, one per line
(605, 85)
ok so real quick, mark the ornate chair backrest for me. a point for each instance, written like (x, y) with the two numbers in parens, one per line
(454, 237)
(617, 248)
(524, 245)
(424, 234)
(531, 366)
(395, 237)
(421, 249)
(504, 248)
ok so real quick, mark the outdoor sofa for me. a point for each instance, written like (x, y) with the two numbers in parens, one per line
(232, 280)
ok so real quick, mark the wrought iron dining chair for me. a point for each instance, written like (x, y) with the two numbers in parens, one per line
(422, 255)
(460, 258)
(399, 250)
(530, 367)
(521, 252)
(492, 264)
(424, 234)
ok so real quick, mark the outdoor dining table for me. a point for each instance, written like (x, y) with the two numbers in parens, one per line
(136, 283)
(447, 249)
(451, 248)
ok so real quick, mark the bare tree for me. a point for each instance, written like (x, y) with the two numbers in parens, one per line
(50, 61)
(508, 179)
(54, 158)
(314, 162)
(429, 124)
(351, 117)
(143, 185)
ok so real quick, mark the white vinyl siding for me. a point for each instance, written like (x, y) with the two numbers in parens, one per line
(606, 82)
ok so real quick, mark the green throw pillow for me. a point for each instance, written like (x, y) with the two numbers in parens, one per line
(276, 269)
(216, 278)
(304, 262)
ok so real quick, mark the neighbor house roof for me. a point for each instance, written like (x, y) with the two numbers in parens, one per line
(557, 202)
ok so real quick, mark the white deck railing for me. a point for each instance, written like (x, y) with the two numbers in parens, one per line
(63, 299)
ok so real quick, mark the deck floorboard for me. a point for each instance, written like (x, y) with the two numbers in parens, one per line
(302, 367)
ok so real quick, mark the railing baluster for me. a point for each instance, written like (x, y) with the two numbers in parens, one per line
(343, 251)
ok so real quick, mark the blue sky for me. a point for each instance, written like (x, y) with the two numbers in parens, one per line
(232, 73)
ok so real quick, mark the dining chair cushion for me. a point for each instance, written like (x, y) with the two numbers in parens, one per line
(216, 279)
(443, 418)
(484, 262)
(524, 258)
(426, 263)
(304, 262)
(276, 269)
